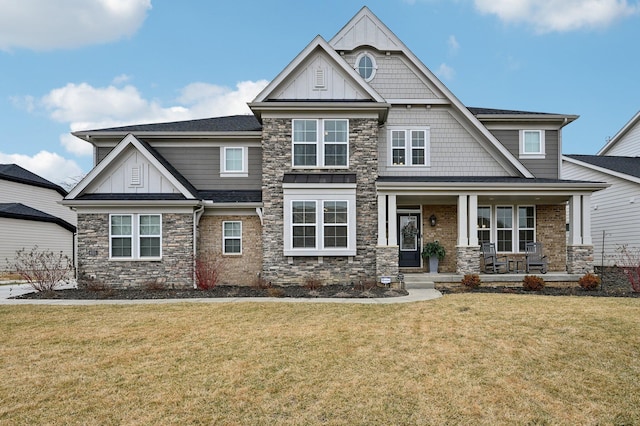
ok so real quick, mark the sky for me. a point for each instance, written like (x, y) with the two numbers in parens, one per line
(73, 65)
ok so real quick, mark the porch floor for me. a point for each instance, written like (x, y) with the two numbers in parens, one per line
(427, 280)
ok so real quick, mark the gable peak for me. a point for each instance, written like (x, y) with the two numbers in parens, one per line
(366, 29)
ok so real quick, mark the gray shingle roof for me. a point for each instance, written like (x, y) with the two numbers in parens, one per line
(131, 196)
(238, 196)
(477, 179)
(493, 111)
(233, 123)
(627, 165)
(319, 178)
(15, 173)
(22, 212)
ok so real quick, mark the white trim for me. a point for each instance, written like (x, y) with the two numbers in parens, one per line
(319, 143)
(244, 172)
(224, 238)
(521, 144)
(135, 237)
(408, 147)
(515, 224)
(614, 140)
(374, 65)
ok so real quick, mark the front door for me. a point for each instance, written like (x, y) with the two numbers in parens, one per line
(409, 240)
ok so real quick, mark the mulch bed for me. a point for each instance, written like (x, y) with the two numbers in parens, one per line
(614, 284)
(328, 291)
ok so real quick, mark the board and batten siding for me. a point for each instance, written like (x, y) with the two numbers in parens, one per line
(43, 199)
(18, 234)
(546, 167)
(614, 211)
(453, 150)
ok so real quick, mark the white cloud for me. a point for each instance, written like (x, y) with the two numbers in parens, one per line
(46, 24)
(559, 15)
(453, 44)
(49, 165)
(445, 72)
(120, 79)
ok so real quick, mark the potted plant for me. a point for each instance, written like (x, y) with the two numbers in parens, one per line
(435, 252)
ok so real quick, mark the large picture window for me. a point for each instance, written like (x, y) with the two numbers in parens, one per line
(135, 236)
(409, 147)
(512, 228)
(320, 143)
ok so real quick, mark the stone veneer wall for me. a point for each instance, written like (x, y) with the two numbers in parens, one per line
(387, 262)
(445, 231)
(467, 261)
(580, 259)
(363, 161)
(175, 270)
(234, 269)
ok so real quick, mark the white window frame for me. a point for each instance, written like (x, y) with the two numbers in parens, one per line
(532, 154)
(135, 237)
(374, 65)
(409, 148)
(231, 237)
(515, 225)
(224, 172)
(319, 143)
(319, 195)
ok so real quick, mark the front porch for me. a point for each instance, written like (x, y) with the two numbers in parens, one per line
(427, 280)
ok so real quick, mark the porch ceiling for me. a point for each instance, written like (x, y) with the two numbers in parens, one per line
(438, 199)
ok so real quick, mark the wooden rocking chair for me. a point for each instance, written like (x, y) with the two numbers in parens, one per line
(535, 258)
(493, 262)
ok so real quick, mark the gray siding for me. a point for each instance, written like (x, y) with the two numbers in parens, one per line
(542, 168)
(628, 145)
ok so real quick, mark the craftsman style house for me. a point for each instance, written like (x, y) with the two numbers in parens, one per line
(614, 211)
(355, 155)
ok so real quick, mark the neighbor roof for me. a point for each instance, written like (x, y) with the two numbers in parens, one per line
(233, 123)
(20, 211)
(15, 173)
(627, 165)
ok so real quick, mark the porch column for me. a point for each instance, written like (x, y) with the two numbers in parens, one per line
(463, 219)
(575, 225)
(393, 221)
(473, 220)
(586, 220)
(382, 220)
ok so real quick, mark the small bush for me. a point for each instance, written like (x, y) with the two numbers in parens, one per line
(471, 281)
(261, 283)
(94, 285)
(312, 283)
(275, 292)
(154, 285)
(589, 281)
(532, 283)
(628, 259)
(207, 272)
(44, 270)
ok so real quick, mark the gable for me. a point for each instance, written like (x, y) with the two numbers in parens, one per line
(318, 77)
(626, 142)
(364, 29)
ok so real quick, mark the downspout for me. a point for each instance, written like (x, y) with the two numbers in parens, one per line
(197, 214)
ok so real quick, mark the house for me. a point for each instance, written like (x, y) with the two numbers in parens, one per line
(355, 155)
(31, 214)
(614, 211)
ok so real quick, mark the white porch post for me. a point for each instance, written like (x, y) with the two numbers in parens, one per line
(382, 220)
(586, 220)
(473, 220)
(575, 225)
(393, 221)
(463, 220)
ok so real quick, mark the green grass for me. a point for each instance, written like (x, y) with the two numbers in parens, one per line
(462, 359)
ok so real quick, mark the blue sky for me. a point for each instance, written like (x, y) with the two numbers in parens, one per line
(78, 64)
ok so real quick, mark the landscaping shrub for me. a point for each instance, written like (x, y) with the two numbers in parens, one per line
(532, 283)
(471, 281)
(589, 281)
(44, 270)
(260, 282)
(275, 292)
(312, 283)
(628, 259)
(207, 272)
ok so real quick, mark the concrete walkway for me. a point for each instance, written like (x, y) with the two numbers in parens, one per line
(6, 291)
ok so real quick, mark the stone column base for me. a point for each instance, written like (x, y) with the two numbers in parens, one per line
(468, 260)
(580, 259)
(387, 261)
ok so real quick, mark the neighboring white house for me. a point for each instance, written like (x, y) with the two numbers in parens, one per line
(615, 211)
(30, 215)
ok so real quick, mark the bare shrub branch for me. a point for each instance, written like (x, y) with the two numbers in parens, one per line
(44, 270)
(628, 260)
(207, 272)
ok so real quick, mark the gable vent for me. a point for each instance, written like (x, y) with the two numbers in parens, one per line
(136, 175)
(320, 82)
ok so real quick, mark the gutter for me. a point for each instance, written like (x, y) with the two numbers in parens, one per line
(197, 214)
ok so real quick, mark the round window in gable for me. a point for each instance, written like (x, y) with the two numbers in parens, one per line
(366, 66)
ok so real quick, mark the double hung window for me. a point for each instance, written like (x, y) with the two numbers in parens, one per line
(510, 227)
(409, 147)
(233, 161)
(320, 143)
(232, 237)
(135, 236)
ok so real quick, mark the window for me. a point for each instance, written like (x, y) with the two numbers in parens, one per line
(366, 66)
(320, 143)
(232, 237)
(133, 236)
(509, 235)
(233, 162)
(410, 147)
(532, 143)
(319, 221)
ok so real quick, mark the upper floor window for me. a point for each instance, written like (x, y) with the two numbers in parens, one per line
(233, 162)
(532, 143)
(409, 147)
(135, 236)
(366, 66)
(320, 143)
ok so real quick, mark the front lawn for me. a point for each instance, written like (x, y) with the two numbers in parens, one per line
(462, 359)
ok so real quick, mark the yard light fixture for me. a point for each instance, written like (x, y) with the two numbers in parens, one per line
(433, 219)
